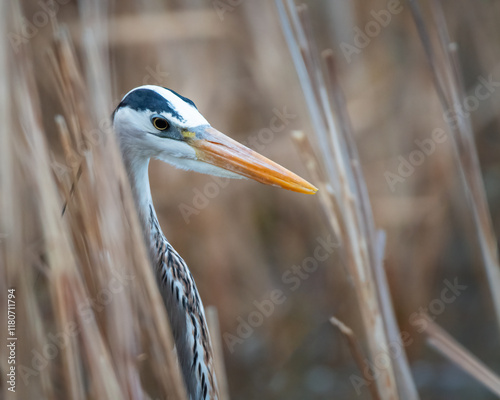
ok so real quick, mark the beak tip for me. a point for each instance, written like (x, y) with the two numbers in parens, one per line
(305, 187)
(312, 190)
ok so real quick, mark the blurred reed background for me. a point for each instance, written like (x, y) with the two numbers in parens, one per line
(241, 240)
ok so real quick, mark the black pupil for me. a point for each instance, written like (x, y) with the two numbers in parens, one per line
(160, 123)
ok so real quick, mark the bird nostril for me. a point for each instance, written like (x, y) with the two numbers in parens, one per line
(188, 134)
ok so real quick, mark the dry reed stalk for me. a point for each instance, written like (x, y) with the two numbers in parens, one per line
(119, 327)
(348, 201)
(91, 273)
(216, 338)
(11, 236)
(62, 275)
(448, 84)
(114, 244)
(375, 238)
(356, 353)
(445, 344)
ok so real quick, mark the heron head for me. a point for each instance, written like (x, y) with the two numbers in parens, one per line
(155, 122)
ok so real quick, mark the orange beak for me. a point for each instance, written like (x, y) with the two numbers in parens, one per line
(213, 147)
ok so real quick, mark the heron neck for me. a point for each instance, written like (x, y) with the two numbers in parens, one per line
(137, 171)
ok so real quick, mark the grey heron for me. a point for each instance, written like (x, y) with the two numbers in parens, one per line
(156, 122)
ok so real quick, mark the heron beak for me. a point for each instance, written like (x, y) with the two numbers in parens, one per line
(213, 147)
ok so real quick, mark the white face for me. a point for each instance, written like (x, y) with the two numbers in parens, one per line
(140, 139)
(155, 122)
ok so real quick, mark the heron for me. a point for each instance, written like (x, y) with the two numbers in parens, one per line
(156, 122)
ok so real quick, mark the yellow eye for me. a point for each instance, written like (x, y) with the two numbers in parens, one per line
(160, 123)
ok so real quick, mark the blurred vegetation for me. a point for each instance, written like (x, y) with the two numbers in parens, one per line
(234, 64)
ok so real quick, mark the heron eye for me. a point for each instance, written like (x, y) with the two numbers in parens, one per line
(160, 123)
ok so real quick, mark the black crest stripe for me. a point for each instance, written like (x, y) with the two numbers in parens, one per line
(147, 99)
(182, 97)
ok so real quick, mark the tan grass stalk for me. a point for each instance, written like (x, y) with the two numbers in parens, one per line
(63, 276)
(216, 338)
(348, 200)
(445, 344)
(356, 353)
(102, 165)
(375, 239)
(93, 257)
(448, 84)
(58, 251)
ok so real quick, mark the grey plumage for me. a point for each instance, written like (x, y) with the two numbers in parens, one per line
(186, 314)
